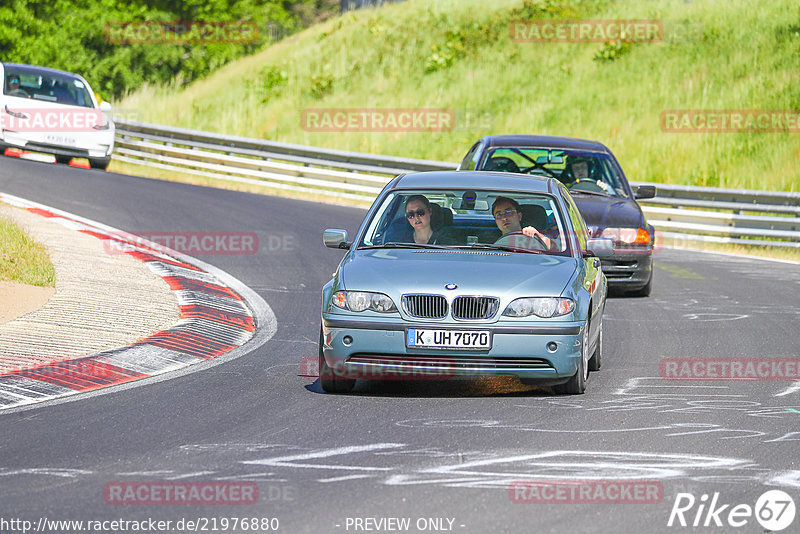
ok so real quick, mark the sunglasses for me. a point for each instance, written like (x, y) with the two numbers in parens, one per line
(419, 213)
(503, 214)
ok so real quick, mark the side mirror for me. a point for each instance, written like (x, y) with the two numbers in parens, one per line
(105, 107)
(599, 247)
(645, 191)
(335, 238)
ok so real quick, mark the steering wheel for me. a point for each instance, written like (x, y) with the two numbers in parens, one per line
(21, 93)
(522, 241)
(538, 166)
(587, 184)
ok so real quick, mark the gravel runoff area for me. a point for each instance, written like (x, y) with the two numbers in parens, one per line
(102, 300)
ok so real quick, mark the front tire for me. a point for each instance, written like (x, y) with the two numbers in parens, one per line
(327, 377)
(100, 163)
(577, 384)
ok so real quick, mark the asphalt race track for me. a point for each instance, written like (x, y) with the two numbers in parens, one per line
(444, 452)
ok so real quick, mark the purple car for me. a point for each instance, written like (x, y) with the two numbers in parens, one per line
(598, 186)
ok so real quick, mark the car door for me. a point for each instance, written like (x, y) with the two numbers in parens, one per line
(593, 275)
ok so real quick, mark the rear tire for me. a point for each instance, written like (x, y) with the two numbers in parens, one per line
(100, 163)
(327, 378)
(644, 291)
(597, 358)
(577, 384)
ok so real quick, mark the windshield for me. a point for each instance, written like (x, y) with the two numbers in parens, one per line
(493, 220)
(590, 172)
(35, 84)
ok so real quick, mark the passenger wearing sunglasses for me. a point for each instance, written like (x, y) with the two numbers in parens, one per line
(418, 214)
(508, 218)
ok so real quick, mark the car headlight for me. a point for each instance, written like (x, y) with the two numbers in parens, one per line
(359, 301)
(540, 306)
(627, 236)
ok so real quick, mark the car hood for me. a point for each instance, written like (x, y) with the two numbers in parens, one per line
(399, 271)
(606, 212)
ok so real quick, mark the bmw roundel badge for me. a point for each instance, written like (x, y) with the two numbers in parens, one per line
(450, 286)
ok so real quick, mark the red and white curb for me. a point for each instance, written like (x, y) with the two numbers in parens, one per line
(216, 320)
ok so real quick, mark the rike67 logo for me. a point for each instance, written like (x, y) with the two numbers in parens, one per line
(774, 511)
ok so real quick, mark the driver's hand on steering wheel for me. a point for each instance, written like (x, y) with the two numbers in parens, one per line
(530, 231)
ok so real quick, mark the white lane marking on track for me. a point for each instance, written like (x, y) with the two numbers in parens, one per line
(679, 429)
(711, 317)
(794, 386)
(251, 479)
(189, 475)
(144, 473)
(561, 464)
(287, 461)
(342, 479)
(639, 382)
(786, 437)
(51, 471)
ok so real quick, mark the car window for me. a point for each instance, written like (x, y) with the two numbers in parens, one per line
(46, 86)
(464, 218)
(577, 221)
(591, 172)
(471, 159)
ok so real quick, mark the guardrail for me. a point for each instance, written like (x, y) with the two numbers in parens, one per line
(679, 213)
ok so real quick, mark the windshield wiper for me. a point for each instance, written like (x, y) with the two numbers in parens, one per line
(401, 245)
(505, 248)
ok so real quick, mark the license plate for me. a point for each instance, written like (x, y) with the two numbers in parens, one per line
(60, 140)
(449, 339)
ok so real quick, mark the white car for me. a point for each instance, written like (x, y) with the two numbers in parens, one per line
(55, 112)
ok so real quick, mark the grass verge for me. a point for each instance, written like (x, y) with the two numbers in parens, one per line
(458, 55)
(22, 259)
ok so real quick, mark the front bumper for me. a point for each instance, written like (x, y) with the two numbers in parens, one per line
(99, 145)
(629, 269)
(377, 350)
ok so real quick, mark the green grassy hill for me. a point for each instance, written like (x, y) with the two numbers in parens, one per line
(458, 55)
